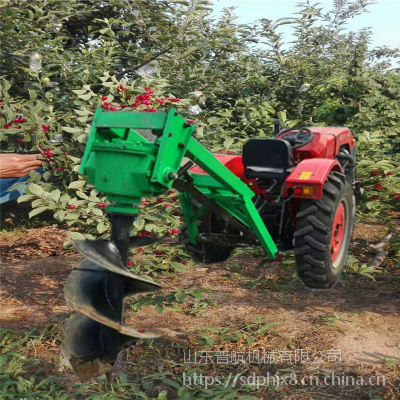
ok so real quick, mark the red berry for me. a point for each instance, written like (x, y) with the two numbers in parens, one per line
(39, 145)
(174, 199)
(228, 152)
(190, 121)
(20, 140)
(144, 203)
(106, 103)
(45, 128)
(398, 197)
(59, 169)
(130, 262)
(378, 186)
(104, 98)
(147, 88)
(167, 205)
(139, 249)
(175, 231)
(6, 126)
(71, 207)
(65, 153)
(113, 108)
(374, 197)
(141, 330)
(389, 173)
(101, 205)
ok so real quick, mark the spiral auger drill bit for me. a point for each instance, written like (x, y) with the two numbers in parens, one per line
(96, 289)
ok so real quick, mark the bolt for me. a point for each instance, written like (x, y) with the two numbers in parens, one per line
(187, 125)
(170, 135)
(105, 177)
(172, 176)
(180, 145)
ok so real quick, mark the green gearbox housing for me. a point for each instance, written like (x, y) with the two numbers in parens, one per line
(127, 163)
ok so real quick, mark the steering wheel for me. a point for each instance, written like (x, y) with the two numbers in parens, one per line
(297, 139)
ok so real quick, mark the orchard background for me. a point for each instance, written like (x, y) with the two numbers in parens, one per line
(60, 60)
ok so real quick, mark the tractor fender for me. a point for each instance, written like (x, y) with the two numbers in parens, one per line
(311, 173)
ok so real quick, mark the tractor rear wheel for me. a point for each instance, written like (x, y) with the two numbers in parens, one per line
(207, 253)
(323, 232)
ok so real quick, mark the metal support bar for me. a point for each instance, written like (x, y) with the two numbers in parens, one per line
(204, 159)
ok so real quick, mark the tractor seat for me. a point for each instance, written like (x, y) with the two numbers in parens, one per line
(267, 158)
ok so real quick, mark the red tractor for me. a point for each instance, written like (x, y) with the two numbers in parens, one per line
(305, 187)
(295, 191)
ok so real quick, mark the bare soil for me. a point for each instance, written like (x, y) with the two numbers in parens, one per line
(366, 328)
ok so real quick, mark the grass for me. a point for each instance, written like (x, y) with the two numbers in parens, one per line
(32, 368)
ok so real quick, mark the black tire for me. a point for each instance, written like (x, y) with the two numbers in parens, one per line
(206, 253)
(320, 257)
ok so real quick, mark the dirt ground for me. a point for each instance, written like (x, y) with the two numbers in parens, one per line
(360, 317)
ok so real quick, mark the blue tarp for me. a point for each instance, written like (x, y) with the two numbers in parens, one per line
(5, 184)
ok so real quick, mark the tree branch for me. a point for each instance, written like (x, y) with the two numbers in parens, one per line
(127, 71)
(381, 254)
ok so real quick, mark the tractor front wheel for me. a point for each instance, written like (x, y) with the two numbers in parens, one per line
(323, 232)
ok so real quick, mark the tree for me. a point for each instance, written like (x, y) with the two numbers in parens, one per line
(60, 60)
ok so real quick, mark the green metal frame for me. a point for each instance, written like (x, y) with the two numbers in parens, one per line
(126, 166)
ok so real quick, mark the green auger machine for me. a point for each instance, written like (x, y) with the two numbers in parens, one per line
(293, 191)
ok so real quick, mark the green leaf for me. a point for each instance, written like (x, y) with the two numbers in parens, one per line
(180, 296)
(98, 212)
(76, 236)
(80, 92)
(71, 130)
(139, 223)
(35, 176)
(24, 197)
(35, 189)
(178, 266)
(77, 184)
(101, 227)
(199, 293)
(159, 308)
(282, 116)
(47, 175)
(37, 211)
(86, 96)
(81, 195)
(55, 195)
(228, 142)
